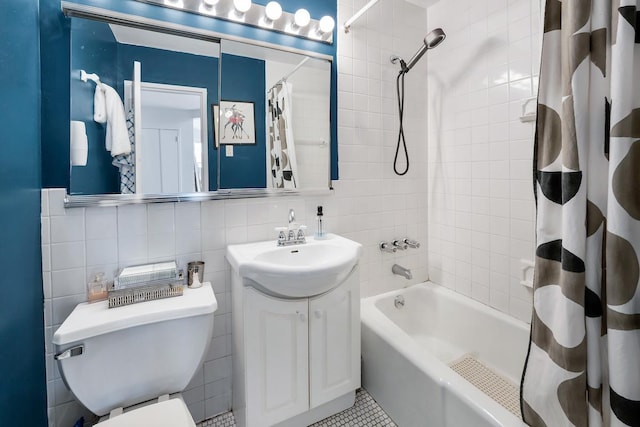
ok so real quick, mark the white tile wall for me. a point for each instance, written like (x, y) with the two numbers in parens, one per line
(369, 204)
(481, 208)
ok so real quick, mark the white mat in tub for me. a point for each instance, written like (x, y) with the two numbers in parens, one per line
(490, 383)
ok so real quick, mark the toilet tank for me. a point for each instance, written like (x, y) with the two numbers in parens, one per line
(127, 355)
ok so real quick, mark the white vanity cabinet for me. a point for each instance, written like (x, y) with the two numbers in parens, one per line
(296, 361)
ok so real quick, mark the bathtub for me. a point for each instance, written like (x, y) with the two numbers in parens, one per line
(407, 352)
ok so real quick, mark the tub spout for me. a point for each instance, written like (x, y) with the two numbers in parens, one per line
(401, 271)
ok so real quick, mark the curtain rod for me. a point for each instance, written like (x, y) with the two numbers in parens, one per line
(354, 18)
(297, 67)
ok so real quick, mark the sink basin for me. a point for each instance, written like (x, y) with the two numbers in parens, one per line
(295, 271)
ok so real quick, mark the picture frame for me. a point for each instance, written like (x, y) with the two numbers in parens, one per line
(237, 125)
(215, 112)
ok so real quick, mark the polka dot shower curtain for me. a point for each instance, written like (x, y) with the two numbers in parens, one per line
(583, 366)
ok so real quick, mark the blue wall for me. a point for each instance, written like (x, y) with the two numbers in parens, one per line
(55, 88)
(243, 80)
(22, 378)
(95, 50)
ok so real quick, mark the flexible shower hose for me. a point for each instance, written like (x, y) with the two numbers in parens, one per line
(400, 91)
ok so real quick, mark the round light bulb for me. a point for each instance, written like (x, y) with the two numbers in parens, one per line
(302, 18)
(242, 6)
(210, 3)
(273, 10)
(327, 24)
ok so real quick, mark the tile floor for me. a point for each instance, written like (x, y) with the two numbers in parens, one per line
(365, 413)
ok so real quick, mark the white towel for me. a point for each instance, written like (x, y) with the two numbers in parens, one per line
(108, 106)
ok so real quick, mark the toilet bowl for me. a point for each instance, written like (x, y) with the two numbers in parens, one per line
(115, 359)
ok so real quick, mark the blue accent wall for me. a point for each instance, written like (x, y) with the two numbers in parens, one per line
(22, 376)
(95, 50)
(243, 80)
(55, 59)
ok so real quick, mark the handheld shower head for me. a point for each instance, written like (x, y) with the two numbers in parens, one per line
(431, 40)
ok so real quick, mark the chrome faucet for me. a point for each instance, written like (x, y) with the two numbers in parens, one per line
(401, 271)
(293, 234)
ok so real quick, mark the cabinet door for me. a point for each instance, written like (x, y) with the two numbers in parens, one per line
(334, 342)
(276, 343)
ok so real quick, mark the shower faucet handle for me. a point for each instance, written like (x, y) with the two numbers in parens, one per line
(385, 247)
(401, 245)
(411, 243)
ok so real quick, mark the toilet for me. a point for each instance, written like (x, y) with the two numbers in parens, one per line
(129, 364)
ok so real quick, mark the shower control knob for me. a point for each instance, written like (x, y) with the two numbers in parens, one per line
(400, 245)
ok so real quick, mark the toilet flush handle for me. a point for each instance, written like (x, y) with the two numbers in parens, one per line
(73, 351)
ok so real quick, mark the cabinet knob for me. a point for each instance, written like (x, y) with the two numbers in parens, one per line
(302, 317)
(318, 314)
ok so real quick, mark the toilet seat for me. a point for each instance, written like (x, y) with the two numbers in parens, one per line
(169, 413)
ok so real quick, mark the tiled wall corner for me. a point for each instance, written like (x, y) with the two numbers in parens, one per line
(481, 208)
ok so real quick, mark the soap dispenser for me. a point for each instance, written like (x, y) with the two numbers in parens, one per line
(320, 233)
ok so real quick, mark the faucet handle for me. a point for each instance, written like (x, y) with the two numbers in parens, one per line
(400, 245)
(411, 243)
(282, 236)
(384, 247)
(301, 234)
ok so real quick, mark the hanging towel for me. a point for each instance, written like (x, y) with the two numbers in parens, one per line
(108, 105)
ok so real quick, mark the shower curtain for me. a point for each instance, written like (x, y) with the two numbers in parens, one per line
(583, 366)
(281, 147)
(126, 163)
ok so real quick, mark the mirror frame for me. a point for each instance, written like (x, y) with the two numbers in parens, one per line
(74, 10)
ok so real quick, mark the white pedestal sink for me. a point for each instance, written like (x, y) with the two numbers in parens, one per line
(296, 271)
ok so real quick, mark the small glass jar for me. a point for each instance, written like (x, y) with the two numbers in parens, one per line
(97, 289)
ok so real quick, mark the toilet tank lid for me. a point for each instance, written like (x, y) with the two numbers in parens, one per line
(89, 320)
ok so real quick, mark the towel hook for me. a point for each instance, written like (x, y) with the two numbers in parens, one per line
(84, 76)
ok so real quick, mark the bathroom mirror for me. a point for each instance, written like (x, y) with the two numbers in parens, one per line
(274, 124)
(162, 141)
(212, 115)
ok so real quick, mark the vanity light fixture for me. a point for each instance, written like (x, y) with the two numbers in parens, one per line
(242, 6)
(272, 12)
(269, 17)
(301, 18)
(174, 3)
(208, 7)
(326, 24)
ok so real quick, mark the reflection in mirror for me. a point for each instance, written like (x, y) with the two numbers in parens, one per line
(145, 111)
(289, 96)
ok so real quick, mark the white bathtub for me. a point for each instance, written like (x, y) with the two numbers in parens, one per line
(406, 353)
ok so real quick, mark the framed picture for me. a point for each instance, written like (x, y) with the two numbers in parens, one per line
(237, 123)
(215, 112)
